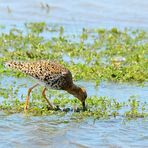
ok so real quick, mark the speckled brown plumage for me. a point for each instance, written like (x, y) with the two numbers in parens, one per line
(52, 75)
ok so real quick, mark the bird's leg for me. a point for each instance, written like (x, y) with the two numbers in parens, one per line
(28, 97)
(44, 95)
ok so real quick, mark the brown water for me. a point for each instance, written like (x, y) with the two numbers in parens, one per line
(19, 131)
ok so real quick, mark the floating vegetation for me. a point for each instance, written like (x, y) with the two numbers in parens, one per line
(103, 54)
(97, 107)
(111, 55)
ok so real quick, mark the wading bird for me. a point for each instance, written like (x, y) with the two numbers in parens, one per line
(52, 75)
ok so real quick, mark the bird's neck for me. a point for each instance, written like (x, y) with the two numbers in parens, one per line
(74, 89)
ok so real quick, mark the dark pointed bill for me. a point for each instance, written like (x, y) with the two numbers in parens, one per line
(84, 107)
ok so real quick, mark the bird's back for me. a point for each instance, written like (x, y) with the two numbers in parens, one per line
(50, 73)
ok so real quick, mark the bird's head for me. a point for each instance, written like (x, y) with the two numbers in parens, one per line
(79, 93)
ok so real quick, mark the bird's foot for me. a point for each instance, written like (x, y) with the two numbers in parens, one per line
(56, 108)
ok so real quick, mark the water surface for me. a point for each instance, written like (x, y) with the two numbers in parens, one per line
(22, 131)
(19, 130)
(78, 13)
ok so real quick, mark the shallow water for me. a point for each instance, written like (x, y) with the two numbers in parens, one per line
(77, 14)
(20, 131)
(121, 92)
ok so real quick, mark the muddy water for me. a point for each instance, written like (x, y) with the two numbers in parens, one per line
(20, 131)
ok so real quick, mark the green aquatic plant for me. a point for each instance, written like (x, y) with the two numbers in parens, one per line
(136, 109)
(111, 55)
(97, 107)
(91, 55)
(36, 27)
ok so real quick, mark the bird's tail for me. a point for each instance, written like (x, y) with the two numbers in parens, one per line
(15, 65)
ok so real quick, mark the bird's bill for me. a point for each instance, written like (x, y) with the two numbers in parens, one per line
(83, 105)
